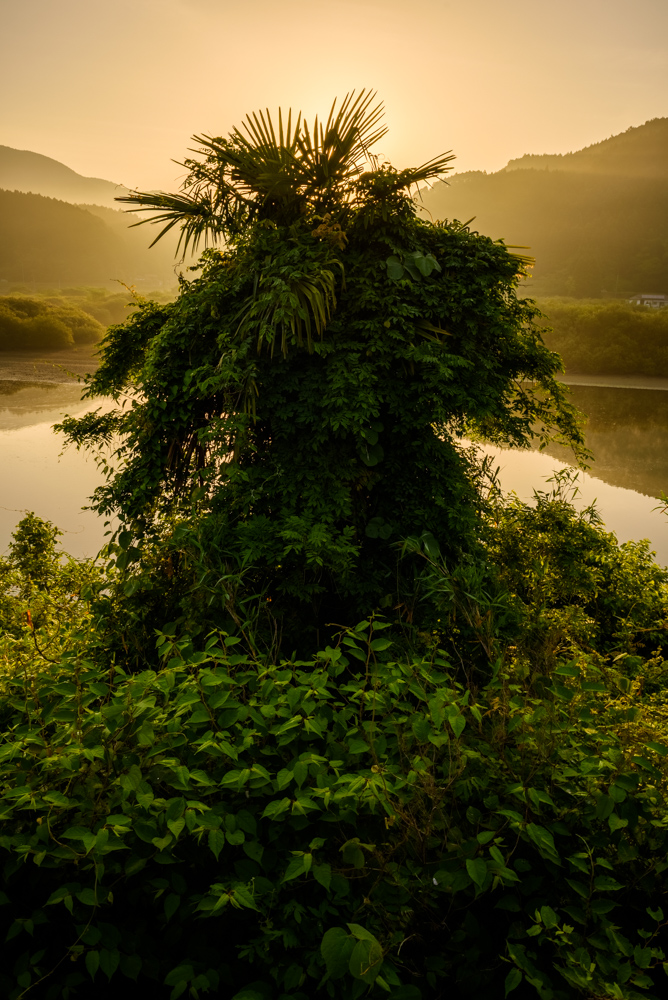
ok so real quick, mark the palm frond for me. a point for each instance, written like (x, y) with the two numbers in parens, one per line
(196, 216)
(298, 304)
(278, 172)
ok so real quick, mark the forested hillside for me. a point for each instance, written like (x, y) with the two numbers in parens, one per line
(45, 241)
(595, 221)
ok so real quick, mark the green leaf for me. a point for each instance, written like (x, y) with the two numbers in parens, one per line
(642, 957)
(378, 645)
(87, 897)
(360, 933)
(243, 898)
(276, 809)
(543, 840)
(579, 887)
(171, 905)
(176, 826)
(549, 917)
(604, 883)
(477, 869)
(513, 980)
(216, 841)
(458, 724)
(253, 849)
(660, 748)
(366, 960)
(295, 868)
(336, 949)
(395, 270)
(92, 963)
(323, 875)
(422, 728)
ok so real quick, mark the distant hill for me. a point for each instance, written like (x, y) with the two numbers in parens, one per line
(596, 220)
(22, 170)
(639, 152)
(44, 241)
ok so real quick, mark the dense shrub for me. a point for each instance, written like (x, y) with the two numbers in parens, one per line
(31, 323)
(479, 810)
(599, 337)
(461, 795)
(346, 826)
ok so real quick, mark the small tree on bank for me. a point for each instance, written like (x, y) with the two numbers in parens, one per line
(297, 413)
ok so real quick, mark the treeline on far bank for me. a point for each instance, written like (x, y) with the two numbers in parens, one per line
(607, 337)
(593, 336)
(63, 318)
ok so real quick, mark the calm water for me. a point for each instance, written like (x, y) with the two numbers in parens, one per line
(35, 476)
(627, 431)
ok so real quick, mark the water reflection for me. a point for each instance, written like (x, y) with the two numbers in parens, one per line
(35, 475)
(627, 432)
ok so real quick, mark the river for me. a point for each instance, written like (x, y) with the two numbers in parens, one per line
(627, 432)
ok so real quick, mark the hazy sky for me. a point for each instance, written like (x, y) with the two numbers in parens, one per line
(115, 90)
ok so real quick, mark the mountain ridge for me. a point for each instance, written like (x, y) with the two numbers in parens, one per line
(595, 221)
(34, 173)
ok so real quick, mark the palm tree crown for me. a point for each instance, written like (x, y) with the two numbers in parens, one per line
(279, 174)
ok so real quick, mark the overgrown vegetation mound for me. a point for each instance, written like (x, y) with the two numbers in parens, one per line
(29, 323)
(332, 719)
(477, 810)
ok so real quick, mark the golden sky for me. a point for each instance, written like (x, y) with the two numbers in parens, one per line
(115, 90)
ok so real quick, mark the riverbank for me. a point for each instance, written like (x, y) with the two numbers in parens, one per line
(617, 381)
(65, 366)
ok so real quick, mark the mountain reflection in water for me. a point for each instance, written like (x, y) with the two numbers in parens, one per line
(627, 432)
(35, 476)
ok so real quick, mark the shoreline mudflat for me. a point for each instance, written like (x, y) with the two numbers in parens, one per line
(617, 381)
(65, 367)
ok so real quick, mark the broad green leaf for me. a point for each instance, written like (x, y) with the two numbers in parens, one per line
(242, 897)
(395, 270)
(323, 875)
(660, 748)
(604, 883)
(295, 868)
(276, 809)
(366, 960)
(549, 917)
(180, 973)
(458, 724)
(176, 826)
(87, 897)
(336, 949)
(216, 840)
(513, 980)
(92, 963)
(477, 870)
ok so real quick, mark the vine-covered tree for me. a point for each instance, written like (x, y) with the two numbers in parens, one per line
(297, 413)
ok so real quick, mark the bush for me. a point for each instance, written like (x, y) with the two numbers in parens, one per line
(351, 825)
(372, 820)
(34, 324)
(608, 337)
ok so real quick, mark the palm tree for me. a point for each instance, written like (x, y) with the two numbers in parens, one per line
(279, 174)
